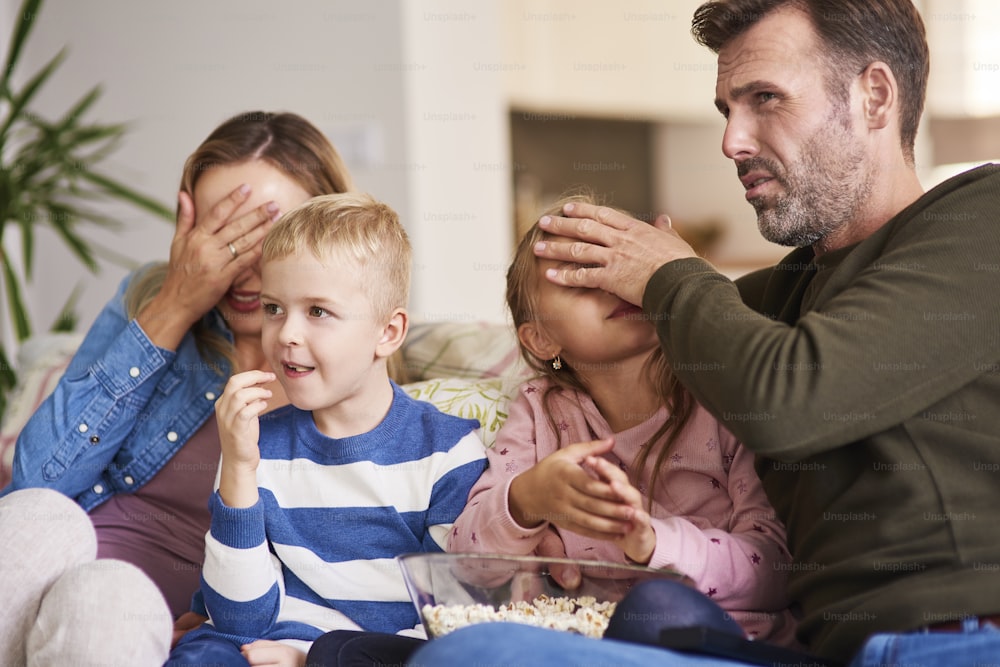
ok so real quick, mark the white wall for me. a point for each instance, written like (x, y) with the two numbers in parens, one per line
(965, 59)
(456, 131)
(365, 73)
(632, 58)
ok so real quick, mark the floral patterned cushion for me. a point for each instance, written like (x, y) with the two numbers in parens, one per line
(484, 399)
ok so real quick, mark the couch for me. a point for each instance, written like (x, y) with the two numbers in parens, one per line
(468, 369)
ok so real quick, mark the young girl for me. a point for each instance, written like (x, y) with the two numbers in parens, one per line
(605, 456)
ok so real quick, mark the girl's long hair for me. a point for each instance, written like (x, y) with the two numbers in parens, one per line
(523, 279)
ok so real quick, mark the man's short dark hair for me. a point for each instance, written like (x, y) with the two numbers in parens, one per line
(855, 33)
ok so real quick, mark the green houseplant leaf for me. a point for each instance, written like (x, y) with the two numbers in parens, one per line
(49, 176)
(7, 380)
(28, 12)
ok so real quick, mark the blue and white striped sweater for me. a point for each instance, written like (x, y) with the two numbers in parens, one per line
(317, 551)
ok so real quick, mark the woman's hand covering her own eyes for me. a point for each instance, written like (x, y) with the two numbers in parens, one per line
(202, 267)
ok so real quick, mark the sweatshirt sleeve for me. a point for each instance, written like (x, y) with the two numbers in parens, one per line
(77, 431)
(486, 525)
(461, 467)
(912, 318)
(744, 566)
(240, 582)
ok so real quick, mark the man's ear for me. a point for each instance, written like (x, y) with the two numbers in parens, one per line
(880, 95)
(534, 338)
(393, 333)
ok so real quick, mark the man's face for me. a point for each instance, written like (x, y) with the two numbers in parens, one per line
(796, 150)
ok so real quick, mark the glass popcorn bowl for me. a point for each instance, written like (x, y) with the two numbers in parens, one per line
(451, 590)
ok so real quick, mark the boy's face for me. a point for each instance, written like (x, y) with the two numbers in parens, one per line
(320, 336)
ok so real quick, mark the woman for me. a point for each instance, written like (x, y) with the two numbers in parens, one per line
(129, 431)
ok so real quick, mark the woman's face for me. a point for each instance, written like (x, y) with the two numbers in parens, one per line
(241, 304)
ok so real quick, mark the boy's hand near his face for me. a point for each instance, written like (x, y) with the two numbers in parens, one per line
(237, 412)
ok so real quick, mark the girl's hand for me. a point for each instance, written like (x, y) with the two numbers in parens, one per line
(265, 652)
(551, 546)
(237, 412)
(202, 268)
(560, 490)
(639, 540)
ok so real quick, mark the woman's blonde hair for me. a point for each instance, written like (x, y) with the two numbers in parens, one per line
(286, 141)
(523, 279)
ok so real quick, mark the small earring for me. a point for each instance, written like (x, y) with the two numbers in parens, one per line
(556, 363)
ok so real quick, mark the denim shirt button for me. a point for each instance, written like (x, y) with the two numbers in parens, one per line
(172, 436)
(134, 371)
(128, 480)
(82, 428)
(210, 395)
(98, 488)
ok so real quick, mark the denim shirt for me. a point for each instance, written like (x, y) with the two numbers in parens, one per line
(120, 412)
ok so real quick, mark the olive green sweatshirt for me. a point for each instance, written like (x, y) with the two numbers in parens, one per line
(867, 381)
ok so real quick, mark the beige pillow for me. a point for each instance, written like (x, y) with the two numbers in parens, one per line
(462, 350)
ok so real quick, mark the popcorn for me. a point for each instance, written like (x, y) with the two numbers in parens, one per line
(582, 615)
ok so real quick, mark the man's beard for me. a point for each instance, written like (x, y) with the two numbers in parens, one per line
(823, 190)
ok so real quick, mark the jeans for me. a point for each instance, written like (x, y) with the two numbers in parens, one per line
(350, 648)
(204, 648)
(507, 644)
(972, 647)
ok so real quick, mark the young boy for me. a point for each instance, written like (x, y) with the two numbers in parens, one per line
(315, 499)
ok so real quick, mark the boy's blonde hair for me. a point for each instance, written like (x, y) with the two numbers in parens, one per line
(356, 226)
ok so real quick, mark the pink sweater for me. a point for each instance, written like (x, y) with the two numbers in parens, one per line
(711, 517)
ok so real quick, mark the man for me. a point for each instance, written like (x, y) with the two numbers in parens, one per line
(862, 369)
